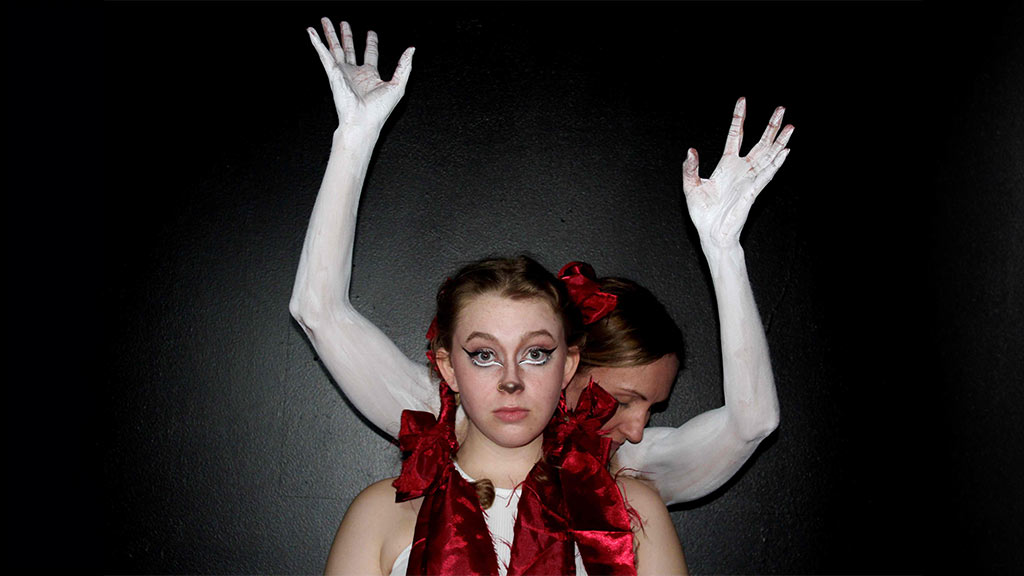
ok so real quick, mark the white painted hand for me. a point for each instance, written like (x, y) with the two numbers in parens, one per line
(360, 96)
(720, 204)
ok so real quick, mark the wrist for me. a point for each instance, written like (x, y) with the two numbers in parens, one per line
(718, 243)
(355, 138)
(718, 253)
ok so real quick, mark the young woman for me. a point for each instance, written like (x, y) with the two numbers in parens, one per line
(643, 345)
(506, 342)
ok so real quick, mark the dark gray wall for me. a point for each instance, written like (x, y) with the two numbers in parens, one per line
(885, 258)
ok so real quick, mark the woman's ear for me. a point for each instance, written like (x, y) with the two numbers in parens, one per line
(572, 361)
(444, 365)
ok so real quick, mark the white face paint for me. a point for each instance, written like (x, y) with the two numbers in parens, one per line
(636, 388)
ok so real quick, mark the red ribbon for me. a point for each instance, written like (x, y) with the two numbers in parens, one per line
(581, 505)
(584, 290)
(598, 518)
(440, 544)
(432, 330)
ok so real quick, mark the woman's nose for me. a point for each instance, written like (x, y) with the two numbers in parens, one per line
(511, 381)
(633, 427)
(510, 387)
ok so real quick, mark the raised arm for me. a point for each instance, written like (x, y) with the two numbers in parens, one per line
(693, 460)
(374, 374)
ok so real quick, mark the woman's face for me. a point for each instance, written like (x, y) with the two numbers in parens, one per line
(509, 363)
(636, 388)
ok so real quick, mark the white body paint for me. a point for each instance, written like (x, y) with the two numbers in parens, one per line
(684, 463)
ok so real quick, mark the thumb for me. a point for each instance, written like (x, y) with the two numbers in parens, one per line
(691, 176)
(404, 68)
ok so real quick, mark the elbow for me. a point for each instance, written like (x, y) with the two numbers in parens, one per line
(297, 309)
(319, 315)
(769, 423)
(306, 313)
(756, 429)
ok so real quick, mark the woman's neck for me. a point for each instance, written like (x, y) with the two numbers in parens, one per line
(504, 467)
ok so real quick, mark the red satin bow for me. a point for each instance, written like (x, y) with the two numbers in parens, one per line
(581, 505)
(429, 444)
(578, 429)
(585, 291)
(451, 534)
(598, 517)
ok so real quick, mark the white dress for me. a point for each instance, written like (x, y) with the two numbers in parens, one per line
(501, 520)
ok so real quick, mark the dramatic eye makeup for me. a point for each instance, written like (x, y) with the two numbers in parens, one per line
(537, 356)
(534, 356)
(483, 357)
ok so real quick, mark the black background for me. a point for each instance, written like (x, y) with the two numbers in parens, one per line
(174, 420)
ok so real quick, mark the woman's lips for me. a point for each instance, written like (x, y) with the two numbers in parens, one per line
(511, 414)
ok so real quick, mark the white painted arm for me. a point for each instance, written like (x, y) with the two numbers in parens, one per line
(693, 460)
(376, 376)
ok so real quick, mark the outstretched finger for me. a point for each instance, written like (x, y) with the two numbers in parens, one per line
(769, 133)
(765, 176)
(348, 44)
(325, 55)
(404, 68)
(763, 160)
(370, 54)
(735, 139)
(783, 139)
(691, 171)
(332, 40)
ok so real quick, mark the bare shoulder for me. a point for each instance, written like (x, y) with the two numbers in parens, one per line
(379, 493)
(658, 549)
(640, 494)
(374, 531)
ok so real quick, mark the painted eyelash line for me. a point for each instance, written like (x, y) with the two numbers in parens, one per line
(475, 355)
(547, 352)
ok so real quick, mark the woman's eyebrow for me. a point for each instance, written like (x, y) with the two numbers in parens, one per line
(538, 333)
(492, 338)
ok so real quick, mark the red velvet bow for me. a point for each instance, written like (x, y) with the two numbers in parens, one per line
(429, 444)
(598, 518)
(578, 429)
(585, 291)
(581, 505)
(451, 534)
